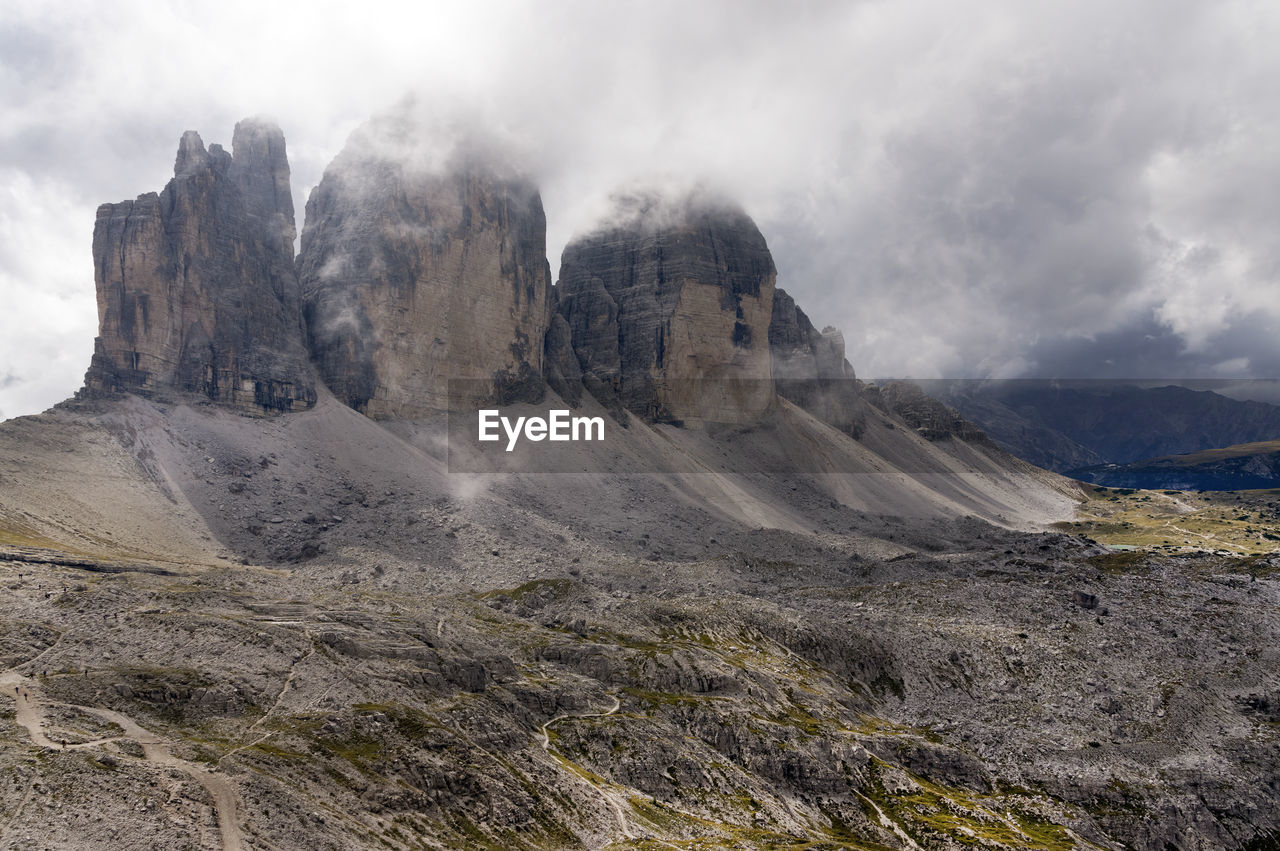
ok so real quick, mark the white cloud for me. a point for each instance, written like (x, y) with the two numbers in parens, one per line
(49, 320)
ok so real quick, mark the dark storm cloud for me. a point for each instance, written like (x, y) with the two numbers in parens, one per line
(1148, 348)
(1003, 188)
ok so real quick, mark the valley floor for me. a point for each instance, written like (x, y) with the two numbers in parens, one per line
(1244, 523)
(986, 687)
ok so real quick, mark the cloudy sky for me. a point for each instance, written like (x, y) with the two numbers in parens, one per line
(1052, 189)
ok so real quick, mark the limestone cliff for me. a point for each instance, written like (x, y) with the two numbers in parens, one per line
(668, 307)
(420, 265)
(196, 287)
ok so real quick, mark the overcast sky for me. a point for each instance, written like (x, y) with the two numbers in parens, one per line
(1068, 189)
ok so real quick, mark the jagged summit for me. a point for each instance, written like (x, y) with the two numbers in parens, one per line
(799, 349)
(196, 288)
(263, 177)
(424, 261)
(192, 155)
(809, 367)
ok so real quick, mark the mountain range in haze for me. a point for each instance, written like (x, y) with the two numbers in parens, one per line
(1071, 426)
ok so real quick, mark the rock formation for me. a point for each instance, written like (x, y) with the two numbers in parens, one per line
(929, 417)
(799, 349)
(809, 367)
(422, 265)
(668, 307)
(563, 373)
(196, 287)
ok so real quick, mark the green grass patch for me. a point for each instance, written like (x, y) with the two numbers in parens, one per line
(411, 723)
(558, 588)
(1119, 562)
(265, 747)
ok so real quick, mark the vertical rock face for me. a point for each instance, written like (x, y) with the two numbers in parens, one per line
(196, 287)
(419, 266)
(668, 308)
(809, 367)
(560, 364)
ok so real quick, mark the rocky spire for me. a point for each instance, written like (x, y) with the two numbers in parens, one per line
(260, 169)
(196, 288)
(424, 260)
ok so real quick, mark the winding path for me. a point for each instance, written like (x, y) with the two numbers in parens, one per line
(288, 684)
(29, 703)
(546, 736)
(609, 796)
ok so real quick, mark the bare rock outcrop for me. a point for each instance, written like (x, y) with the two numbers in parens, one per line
(196, 287)
(422, 263)
(929, 417)
(810, 369)
(668, 306)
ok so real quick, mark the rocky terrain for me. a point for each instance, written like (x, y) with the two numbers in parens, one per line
(773, 608)
(432, 659)
(527, 662)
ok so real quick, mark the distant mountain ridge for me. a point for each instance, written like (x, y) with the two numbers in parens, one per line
(1065, 427)
(1248, 466)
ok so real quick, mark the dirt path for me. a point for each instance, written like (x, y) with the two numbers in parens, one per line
(609, 796)
(284, 689)
(30, 703)
(1209, 536)
(288, 684)
(546, 737)
(157, 750)
(26, 699)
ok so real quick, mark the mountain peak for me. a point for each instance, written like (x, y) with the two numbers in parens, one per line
(423, 263)
(196, 288)
(668, 302)
(192, 155)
